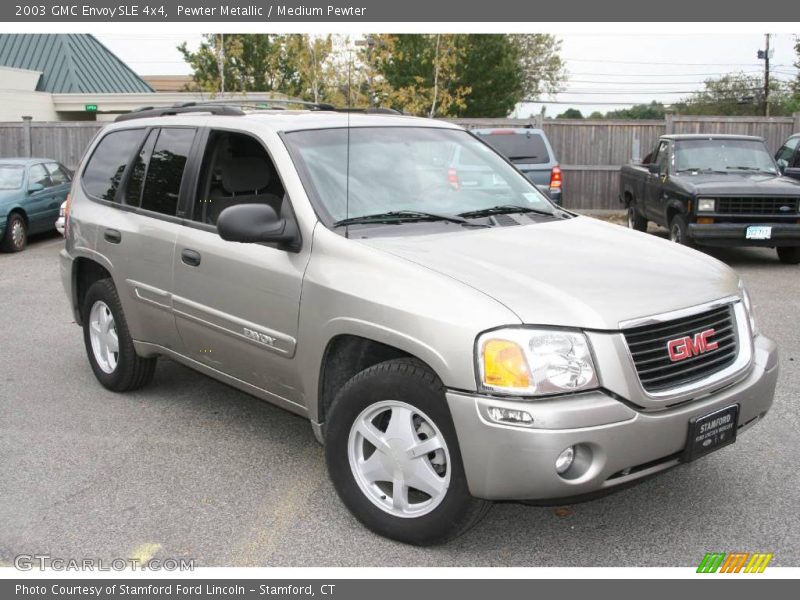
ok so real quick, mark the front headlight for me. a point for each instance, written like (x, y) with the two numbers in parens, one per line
(748, 307)
(534, 362)
(706, 204)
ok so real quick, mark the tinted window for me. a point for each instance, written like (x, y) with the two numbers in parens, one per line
(519, 148)
(162, 184)
(57, 174)
(104, 172)
(38, 174)
(133, 190)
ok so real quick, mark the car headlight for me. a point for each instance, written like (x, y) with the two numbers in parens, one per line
(534, 362)
(706, 204)
(748, 307)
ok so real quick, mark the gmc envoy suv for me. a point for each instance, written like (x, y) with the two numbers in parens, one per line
(450, 345)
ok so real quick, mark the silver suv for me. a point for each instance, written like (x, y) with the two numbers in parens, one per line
(450, 345)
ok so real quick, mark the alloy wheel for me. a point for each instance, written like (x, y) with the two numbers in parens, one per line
(103, 336)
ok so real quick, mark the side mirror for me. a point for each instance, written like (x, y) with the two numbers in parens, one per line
(253, 223)
(654, 168)
(35, 187)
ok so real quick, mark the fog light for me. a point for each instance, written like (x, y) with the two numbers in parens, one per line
(510, 416)
(564, 460)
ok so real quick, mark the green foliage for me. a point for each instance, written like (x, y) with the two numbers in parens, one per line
(491, 70)
(543, 69)
(737, 94)
(570, 113)
(654, 110)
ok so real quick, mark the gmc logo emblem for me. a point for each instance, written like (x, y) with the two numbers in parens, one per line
(688, 346)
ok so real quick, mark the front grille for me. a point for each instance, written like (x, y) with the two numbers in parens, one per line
(757, 206)
(648, 347)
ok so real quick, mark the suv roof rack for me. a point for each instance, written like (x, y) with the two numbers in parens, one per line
(236, 108)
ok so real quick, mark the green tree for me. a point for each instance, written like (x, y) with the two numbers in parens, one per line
(570, 113)
(543, 69)
(737, 94)
(250, 62)
(596, 115)
(654, 110)
(491, 69)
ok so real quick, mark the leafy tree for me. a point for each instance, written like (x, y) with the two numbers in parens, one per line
(250, 62)
(571, 113)
(492, 71)
(654, 110)
(543, 69)
(737, 94)
(796, 82)
(596, 115)
(415, 73)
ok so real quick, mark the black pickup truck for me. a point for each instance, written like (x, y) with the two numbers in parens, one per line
(715, 190)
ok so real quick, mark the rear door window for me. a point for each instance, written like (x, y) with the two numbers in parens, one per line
(519, 148)
(162, 182)
(103, 175)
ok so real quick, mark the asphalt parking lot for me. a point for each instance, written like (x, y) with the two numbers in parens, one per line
(191, 468)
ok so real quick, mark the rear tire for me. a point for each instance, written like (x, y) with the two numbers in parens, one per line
(635, 220)
(108, 342)
(15, 237)
(789, 255)
(399, 404)
(679, 231)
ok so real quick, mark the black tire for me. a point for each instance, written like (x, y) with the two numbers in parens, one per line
(8, 243)
(636, 221)
(131, 371)
(789, 255)
(679, 231)
(419, 387)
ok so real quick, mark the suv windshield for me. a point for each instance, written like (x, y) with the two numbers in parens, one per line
(11, 177)
(520, 148)
(723, 155)
(407, 169)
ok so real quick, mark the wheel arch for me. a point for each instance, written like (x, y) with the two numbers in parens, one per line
(85, 271)
(347, 354)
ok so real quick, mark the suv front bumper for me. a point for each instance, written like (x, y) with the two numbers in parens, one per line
(619, 442)
(733, 234)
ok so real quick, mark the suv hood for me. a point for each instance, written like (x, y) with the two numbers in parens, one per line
(578, 272)
(740, 184)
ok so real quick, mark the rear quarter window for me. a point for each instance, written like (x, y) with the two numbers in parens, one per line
(103, 173)
(519, 148)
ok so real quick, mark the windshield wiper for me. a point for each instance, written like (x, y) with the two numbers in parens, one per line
(753, 169)
(502, 209)
(521, 157)
(700, 170)
(400, 216)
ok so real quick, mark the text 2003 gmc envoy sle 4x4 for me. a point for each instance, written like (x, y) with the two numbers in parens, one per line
(451, 345)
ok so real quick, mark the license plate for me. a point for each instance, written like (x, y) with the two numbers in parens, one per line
(758, 232)
(711, 432)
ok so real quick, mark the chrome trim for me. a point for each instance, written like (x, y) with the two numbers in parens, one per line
(733, 373)
(677, 314)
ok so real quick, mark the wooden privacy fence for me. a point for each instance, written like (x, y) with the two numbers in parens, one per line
(590, 152)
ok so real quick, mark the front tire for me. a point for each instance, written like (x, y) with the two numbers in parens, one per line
(16, 235)
(789, 255)
(393, 455)
(635, 220)
(108, 342)
(679, 231)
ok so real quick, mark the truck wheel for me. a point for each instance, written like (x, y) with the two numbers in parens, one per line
(16, 235)
(635, 220)
(789, 255)
(108, 341)
(393, 455)
(679, 231)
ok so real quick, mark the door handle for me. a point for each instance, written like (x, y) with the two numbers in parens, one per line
(112, 236)
(190, 257)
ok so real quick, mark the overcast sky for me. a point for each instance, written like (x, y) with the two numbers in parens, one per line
(606, 71)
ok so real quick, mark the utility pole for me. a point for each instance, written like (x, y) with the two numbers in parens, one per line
(221, 63)
(764, 55)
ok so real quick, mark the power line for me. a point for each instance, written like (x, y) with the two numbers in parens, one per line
(676, 64)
